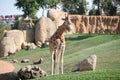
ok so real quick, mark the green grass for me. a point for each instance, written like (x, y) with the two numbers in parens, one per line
(88, 75)
(78, 47)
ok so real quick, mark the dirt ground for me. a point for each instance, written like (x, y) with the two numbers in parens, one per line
(6, 67)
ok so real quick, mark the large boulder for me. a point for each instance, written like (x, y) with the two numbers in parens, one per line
(87, 64)
(14, 40)
(44, 30)
(56, 16)
(18, 37)
(29, 35)
(7, 46)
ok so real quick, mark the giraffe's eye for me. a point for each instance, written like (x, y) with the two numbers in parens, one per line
(63, 19)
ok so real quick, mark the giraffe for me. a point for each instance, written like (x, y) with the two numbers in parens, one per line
(57, 45)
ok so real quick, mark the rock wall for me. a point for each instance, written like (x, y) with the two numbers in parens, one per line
(87, 24)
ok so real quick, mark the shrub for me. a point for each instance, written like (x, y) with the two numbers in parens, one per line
(3, 27)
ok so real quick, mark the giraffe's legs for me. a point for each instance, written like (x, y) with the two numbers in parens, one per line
(56, 61)
(52, 61)
(61, 58)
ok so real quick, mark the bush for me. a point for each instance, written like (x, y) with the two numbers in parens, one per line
(16, 23)
(3, 27)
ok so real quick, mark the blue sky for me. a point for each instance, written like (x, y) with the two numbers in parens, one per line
(7, 8)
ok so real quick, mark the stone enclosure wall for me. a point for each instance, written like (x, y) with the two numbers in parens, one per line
(87, 24)
(96, 24)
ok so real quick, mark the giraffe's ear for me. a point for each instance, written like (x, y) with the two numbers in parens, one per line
(66, 15)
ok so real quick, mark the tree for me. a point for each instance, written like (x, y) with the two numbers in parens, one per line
(98, 3)
(116, 2)
(74, 6)
(45, 4)
(29, 7)
(107, 6)
(17, 22)
(92, 11)
(53, 3)
(109, 9)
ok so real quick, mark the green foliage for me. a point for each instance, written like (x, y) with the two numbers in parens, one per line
(3, 27)
(29, 7)
(108, 6)
(45, 4)
(74, 6)
(53, 3)
(116, 2)
(16, 23)
(92, 12)
(48, 3)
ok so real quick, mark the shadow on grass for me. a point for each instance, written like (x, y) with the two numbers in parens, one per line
(79, 37)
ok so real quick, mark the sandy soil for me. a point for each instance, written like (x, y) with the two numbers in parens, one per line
(6, 67)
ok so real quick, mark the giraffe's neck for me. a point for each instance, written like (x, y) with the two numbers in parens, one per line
(59, 34)
(60, 30)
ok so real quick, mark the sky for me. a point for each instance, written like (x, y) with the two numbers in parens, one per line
(7, 8)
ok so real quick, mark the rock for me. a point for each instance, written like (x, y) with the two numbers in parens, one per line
(87, 64)
(14, 40)
(38, 61)
(29, 35)
(14, 60)
(27, 23)
(56, 16)
(9, 76)
(7, 46)
(43, 73)
(19, 39)
(11, 42)
(24, 73)
(29, 46)
(30, 72)
(25, 61)
(32, 46)
(45, 28)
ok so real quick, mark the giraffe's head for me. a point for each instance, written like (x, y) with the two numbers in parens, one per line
(67, 22)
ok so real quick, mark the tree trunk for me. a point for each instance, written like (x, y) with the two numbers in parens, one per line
(43, 12)
(99, 8)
